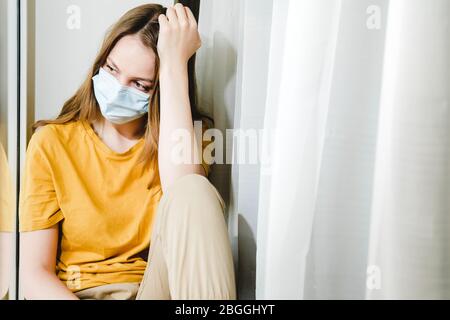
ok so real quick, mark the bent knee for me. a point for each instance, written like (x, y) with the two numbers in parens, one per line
(195, 190)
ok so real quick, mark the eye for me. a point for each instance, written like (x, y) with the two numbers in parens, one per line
(110, 68)
(141, 86)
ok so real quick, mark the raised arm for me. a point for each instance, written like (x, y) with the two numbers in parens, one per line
(178, 41)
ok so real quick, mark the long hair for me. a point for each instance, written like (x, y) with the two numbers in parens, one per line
(141, 21)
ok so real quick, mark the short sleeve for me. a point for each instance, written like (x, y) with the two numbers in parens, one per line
(38, 204)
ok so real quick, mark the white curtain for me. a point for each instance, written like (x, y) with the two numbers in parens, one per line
(355, 201)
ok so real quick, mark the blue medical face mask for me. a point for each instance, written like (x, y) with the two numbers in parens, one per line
(118, 104)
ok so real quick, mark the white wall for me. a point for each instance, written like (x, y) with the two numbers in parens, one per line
(232, 77)
(250, 100)
(216, 80)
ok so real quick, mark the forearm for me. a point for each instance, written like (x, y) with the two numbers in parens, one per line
(175, 114)
(45, 285)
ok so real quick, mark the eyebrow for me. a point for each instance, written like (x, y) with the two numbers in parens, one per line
(135, 78)
(143, 79)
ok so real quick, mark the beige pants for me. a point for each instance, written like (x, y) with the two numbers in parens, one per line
(190, 255)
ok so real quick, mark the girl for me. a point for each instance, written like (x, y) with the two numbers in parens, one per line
(102, 199)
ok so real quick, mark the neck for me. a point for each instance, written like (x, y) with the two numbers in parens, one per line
(132, 130)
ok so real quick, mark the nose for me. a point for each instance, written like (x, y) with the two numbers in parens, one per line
(123, 80)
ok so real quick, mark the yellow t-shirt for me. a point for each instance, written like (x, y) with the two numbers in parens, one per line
(7, 204)
(99, 196)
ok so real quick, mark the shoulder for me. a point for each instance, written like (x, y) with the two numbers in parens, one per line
(50, 136)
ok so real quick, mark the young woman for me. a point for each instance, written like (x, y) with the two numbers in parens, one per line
(102, 203)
